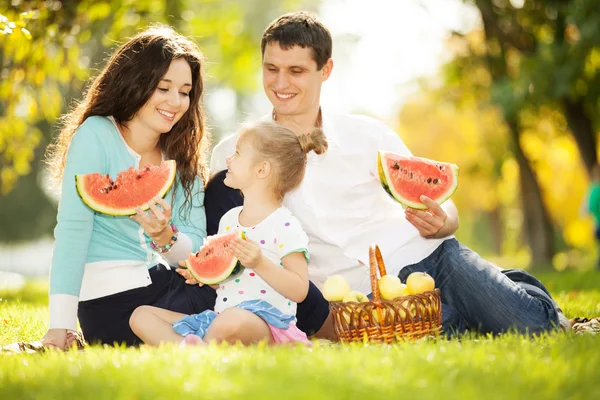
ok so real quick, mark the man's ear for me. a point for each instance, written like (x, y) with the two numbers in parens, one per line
(264, 169)
(326, 70)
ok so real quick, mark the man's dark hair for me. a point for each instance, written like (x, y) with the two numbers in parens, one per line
(300, 29)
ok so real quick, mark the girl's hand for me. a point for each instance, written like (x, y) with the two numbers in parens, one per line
(156, 224)
(247, 252)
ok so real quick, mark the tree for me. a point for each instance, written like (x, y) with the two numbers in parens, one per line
(541, 53)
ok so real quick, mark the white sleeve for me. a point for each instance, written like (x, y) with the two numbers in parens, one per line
(180, 250)
(391, 141)
(291, 238)
(63, 311)
(224, 149)
(387, 140)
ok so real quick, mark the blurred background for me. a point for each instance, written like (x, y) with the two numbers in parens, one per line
(507, 89)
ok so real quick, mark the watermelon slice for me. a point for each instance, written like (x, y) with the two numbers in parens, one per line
(133, 188)
(405, 179)
(215, 261)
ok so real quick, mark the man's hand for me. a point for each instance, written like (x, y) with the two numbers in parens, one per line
(431, 222)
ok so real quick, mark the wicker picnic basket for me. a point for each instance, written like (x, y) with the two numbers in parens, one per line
(386, 321)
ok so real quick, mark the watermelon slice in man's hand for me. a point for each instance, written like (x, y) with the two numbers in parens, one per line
(405, 179)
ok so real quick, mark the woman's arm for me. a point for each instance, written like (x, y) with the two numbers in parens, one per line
(73, 230)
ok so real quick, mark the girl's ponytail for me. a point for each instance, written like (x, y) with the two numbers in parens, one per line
(313, 141)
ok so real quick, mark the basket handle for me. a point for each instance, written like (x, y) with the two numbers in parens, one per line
(376, 262)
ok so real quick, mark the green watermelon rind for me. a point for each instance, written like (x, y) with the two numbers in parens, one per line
(120, 212)
(384, 177)
(233, 269)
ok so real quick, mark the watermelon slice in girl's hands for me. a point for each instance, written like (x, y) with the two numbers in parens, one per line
(405, 179)
(132, 188)
(215, 261)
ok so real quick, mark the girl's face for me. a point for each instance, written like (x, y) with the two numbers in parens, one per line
(241, 166)
(170, 100)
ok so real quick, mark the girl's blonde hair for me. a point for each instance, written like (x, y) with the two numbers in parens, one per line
(286, 151)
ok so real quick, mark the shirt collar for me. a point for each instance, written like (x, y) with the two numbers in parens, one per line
(326, 125)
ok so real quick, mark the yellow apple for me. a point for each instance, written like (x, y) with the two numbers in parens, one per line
(379, 314)
(401, 311)
(419, 282)
(391, 287)
(356, 296)
(353, 296)
(335, 288)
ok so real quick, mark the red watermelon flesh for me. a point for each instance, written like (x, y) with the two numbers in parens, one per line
(405, 179)
(133, 188)
(215, 261)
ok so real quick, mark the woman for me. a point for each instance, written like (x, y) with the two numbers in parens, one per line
(144, 107)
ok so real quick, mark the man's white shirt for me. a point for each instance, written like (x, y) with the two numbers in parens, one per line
(342, 205)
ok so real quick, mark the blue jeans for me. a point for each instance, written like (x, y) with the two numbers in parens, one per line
(478, 296)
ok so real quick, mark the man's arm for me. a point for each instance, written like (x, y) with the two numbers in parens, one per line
(434, 222)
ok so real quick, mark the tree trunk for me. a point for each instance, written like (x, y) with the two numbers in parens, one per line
(497, 226)
(538, 228)
(582, 128)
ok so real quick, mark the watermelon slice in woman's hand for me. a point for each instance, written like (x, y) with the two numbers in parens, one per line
(406, 179)
(133, 188)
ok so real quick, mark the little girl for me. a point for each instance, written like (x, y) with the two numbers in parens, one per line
(268, 162)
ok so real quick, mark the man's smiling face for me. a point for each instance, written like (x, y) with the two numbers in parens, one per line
(291, 79)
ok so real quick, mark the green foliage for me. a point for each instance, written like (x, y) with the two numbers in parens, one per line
(17, 141)
(547, 53)
(555, 366)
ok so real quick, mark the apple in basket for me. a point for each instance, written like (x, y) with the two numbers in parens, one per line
(402, 312)
(391, 287)
(356, 296)
(419, 282)
(335, 288)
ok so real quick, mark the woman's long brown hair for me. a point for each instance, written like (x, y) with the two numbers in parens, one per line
(127, 82)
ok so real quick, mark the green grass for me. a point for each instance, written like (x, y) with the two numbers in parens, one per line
(556, 366)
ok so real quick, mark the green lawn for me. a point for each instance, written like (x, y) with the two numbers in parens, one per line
(557, 366)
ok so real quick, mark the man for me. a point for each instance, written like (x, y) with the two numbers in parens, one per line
(343, 208)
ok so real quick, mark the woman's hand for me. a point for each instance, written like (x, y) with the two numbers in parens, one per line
(56, 338)
(156, 224)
